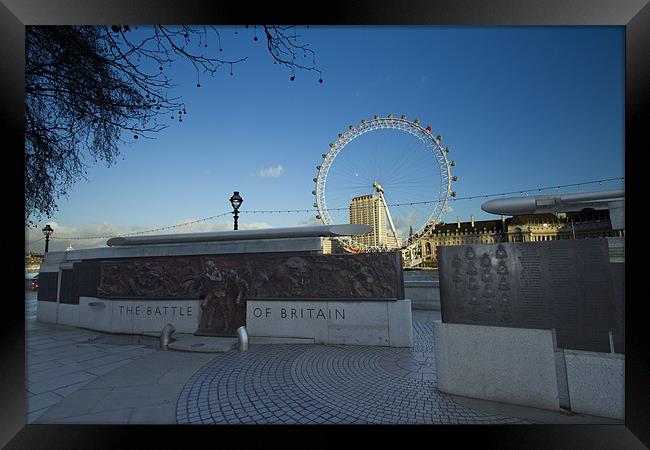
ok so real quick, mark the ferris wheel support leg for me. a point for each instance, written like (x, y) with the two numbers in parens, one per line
(390, 219)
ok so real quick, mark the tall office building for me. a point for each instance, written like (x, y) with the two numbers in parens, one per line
(369, 210)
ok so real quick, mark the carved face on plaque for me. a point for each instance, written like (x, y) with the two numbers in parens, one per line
(486, 276)
(470, 253)
(489, 292)
(213, 272)
(298, 264)
(501, 252)
(485, 260)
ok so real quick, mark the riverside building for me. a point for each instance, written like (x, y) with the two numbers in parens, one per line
(521, 228)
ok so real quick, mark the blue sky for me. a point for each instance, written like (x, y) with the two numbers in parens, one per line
(520, 107)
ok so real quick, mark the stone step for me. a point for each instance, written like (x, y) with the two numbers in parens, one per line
(255, 340)
(202, 344)
(422, 283)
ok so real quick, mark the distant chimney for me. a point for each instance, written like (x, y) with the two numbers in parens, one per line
(458, 221)
(472, 219)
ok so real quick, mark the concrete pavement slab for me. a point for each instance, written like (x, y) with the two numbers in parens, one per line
(143, 391)
(39, 401)
(104, 417)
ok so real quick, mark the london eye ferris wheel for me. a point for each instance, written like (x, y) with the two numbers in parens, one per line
(391, 173)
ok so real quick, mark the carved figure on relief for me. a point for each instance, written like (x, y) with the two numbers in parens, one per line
(223, 297)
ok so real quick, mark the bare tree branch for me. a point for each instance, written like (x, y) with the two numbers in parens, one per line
(89, 87)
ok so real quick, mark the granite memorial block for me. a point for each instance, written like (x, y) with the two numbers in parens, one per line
(566, 285)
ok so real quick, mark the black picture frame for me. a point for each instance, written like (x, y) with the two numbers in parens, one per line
(634, 15)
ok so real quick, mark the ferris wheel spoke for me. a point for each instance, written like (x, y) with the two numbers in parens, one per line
(405, 159)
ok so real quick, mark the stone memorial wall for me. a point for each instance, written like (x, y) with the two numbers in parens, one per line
(216, 292)
(566, 285)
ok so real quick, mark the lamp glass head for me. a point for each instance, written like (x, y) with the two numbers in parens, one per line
(236, 200)
(48, 230)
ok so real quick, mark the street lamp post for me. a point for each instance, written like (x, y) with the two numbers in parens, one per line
(47, 231)
(236, 202)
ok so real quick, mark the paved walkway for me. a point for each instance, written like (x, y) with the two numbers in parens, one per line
(318, 384)
(81, 376)
(61, 360)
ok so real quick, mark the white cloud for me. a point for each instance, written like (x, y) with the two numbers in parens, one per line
(273, 172)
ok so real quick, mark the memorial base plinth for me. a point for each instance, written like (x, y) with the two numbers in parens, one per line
(381, 323)
(511, 365)
(523, 367)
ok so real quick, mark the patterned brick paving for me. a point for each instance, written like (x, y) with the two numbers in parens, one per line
(319, 384)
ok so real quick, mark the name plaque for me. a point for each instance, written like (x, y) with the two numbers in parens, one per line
(566, 285)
